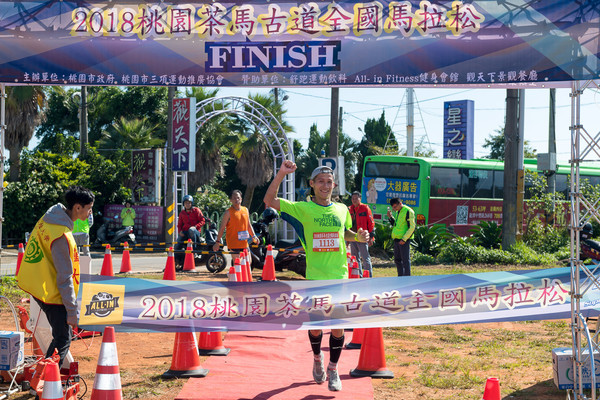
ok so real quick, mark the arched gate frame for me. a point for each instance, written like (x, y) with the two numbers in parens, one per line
(269, 127)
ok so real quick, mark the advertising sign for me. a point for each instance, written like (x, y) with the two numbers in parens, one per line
(459, 121)
(145, 175)
(184, 134)
(254, 43)
(148, 224)
(381, 190)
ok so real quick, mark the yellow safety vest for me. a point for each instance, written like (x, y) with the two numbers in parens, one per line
(37, 274)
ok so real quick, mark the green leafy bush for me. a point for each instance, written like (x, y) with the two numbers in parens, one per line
(545, 239)
(487, 234)
(383, 238)
(418, 258)
(458, 251)
(528, 256)
(429, 240)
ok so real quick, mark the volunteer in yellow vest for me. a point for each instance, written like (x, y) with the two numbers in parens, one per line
(403, 223)
(50, 268)
(237, 222)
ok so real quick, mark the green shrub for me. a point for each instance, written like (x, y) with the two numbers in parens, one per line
(429, 240)
(527, 256)
(418, 258)
(458, 251)
(487, 234)
(383, 238)
(496, 257)
(545, 239)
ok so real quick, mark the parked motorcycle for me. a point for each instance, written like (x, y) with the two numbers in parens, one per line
(589, 248)
(114, 236)
(261, 230)
(291, 256)
(215, 262)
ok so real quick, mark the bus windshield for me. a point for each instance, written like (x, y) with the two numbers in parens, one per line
(391, 170)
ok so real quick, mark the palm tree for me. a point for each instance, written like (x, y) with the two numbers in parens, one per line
(130, 134)
(24, 112)
(211, 139)
(254, 164)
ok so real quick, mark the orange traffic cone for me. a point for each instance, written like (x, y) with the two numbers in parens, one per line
(52, 384)
(243, 268)
(358, 336)
(268, 272)
(211, 344)
(492, 389)
(107, 266)
(371, 361)
(355, 272)
(248, 264)
(169, 273)
(186, 361)
(366, 274)
(20, 257)
(238, 270)
(125, 260)
(350, 266)
(107, 383)
(188, 263)
(231, 275)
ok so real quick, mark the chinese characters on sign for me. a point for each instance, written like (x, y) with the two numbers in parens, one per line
(381, 190)
(148, 223)
(459, 129)
(145, 175)
(184, 134)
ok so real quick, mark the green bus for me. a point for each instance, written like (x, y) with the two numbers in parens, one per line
(455, 193)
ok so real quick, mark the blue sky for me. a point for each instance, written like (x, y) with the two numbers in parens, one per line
(308, 106)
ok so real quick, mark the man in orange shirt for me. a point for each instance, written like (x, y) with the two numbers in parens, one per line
(239, 229)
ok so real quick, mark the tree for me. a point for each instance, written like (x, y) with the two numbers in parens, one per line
(212, 140)
(496, 145)
(105, 106)
(254, 163)
(24, 112)
(309, 160)
(126, 134)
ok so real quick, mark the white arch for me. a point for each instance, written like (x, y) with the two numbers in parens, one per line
(267, 124)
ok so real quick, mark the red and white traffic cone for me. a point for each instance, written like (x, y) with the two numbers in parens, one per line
(169, 274)
(232, 275)
(107, 264)
(268, 272)
(52, 384)
(125, 260)
(243, 267)
(107, 383)
(20, 257)
(188, 262)
(238, 270)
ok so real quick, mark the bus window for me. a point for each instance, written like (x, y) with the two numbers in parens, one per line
(391, 170)
(498, 184)
(477, 183)
(445, 182)
(562, 185)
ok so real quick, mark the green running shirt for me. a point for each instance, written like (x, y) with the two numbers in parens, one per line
(321, 230)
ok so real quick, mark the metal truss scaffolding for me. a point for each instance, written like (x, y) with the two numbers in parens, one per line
(585, 147)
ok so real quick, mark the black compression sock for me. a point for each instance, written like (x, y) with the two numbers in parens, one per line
(315, 342)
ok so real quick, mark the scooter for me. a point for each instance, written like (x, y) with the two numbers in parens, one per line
(114, 237)
(291, 256)
(261, 230)
(215, 262)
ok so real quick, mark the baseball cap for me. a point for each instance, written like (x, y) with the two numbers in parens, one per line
(356, 193)
(321, 170)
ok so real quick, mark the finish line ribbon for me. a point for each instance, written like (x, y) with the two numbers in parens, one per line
(132, 304)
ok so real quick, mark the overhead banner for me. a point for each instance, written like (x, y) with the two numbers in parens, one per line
(131, 304)
(279, 43)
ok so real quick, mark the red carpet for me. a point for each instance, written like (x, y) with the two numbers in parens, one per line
(273, 366)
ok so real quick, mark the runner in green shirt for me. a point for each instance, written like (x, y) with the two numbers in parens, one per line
(323, 228)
